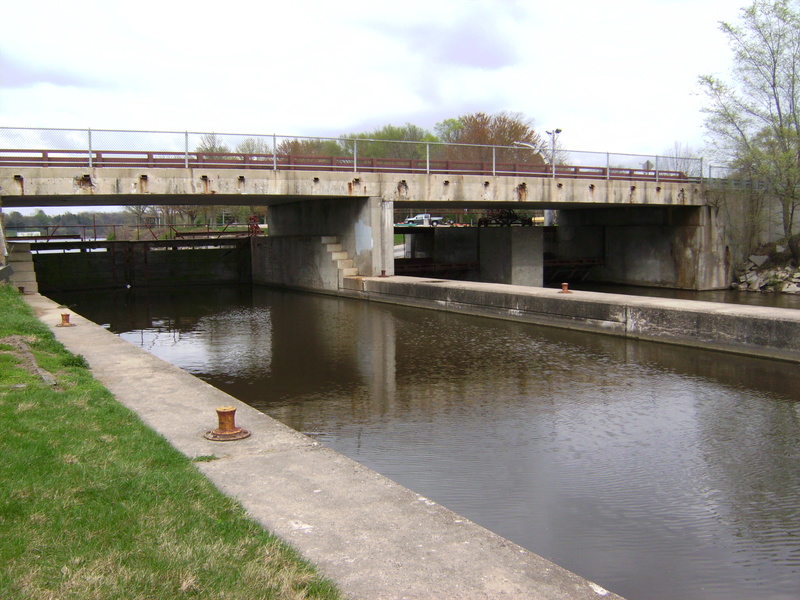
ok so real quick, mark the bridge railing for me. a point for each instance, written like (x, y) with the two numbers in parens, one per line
(35, 147)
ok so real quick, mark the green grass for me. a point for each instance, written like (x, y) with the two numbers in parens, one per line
(93, 504)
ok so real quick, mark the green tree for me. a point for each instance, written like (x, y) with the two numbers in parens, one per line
(310, 147)
(390, 141)
(753, 119)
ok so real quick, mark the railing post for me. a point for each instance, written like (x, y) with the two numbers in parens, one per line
(274, 152)
(657, 168)
(90, 146)
(701, 170)
(427, 158)
(186, 149)
(355, 156)
(494, 161)
(608, 166)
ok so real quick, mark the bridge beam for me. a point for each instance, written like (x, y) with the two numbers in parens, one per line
(62, 186)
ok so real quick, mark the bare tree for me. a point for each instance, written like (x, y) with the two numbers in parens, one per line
(682, 158)
(501, 129)
(253, 146)
(211, 142)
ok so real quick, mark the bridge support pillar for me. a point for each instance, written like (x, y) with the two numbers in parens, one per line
(511, 255)
(313, 244)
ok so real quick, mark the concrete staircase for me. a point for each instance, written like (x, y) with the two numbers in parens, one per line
(21, 262)
(344, 263)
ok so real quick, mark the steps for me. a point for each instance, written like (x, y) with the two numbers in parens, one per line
(344, 263)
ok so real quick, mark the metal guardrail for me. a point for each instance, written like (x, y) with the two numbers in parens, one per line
(35, 147)
(154, 160)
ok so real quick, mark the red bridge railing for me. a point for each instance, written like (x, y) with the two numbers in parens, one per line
(219, 160)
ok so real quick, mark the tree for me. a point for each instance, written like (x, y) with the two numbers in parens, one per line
(682, 158)
(211, 142)
(254, 146)
(310, 147)
(754, 120)
(390, 141)
(501, 129)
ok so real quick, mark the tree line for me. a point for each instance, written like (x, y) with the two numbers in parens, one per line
(462, 134)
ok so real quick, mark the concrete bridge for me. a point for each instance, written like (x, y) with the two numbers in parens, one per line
(333, 217)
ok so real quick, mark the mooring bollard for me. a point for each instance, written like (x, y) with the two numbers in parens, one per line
(565, 289)
(65, 321)
(227, 430)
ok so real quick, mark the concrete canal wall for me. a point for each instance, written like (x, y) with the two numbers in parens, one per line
(753, 330)
(376, 539)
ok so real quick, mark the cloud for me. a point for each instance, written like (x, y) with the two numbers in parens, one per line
(475, 39)
(16, 74)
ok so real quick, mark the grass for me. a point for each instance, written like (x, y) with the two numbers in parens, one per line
(95, 505)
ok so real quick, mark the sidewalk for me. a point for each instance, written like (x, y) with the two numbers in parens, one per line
(374, 538)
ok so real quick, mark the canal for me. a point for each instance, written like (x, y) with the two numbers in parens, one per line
(656, 471)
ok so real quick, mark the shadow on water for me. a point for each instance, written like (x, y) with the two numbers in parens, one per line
(655, 470)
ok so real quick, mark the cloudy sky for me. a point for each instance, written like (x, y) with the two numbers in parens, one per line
(614, 75)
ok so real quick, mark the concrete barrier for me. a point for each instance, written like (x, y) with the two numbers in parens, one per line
(751, 330)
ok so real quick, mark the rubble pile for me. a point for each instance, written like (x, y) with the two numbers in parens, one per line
(764, 273)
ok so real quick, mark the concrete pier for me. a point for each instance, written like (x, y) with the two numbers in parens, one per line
(751, 330)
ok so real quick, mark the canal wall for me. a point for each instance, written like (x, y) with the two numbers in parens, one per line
(376, 539)
(750, 330)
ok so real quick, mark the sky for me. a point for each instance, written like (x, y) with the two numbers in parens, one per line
(613, 75)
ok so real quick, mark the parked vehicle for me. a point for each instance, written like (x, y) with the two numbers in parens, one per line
(424, 219)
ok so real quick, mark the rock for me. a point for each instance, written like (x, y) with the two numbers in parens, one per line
(758, 260)
(735, 285)
(791, 288)
(751, 277)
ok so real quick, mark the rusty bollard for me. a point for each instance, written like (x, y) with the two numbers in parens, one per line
(565, 289)
(65, 321)
(227, 430)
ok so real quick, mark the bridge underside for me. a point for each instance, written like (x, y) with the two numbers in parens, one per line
(324, 226)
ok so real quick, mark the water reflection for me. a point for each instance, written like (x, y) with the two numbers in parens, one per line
(657, 471)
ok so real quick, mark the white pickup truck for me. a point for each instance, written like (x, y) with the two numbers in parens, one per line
(424, 219)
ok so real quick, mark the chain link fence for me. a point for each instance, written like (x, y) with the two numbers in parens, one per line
(103, 147)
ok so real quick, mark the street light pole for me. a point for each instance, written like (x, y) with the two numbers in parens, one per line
(549, 214)
(553, 135)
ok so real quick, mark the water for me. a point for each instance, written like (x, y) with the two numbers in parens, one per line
(653, 470)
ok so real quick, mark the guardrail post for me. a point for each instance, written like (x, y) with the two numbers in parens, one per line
(355, 156)
(186, 149)
(274, 152)
(90, 146)
(608, 166)
(657, 167)
(494, 161)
